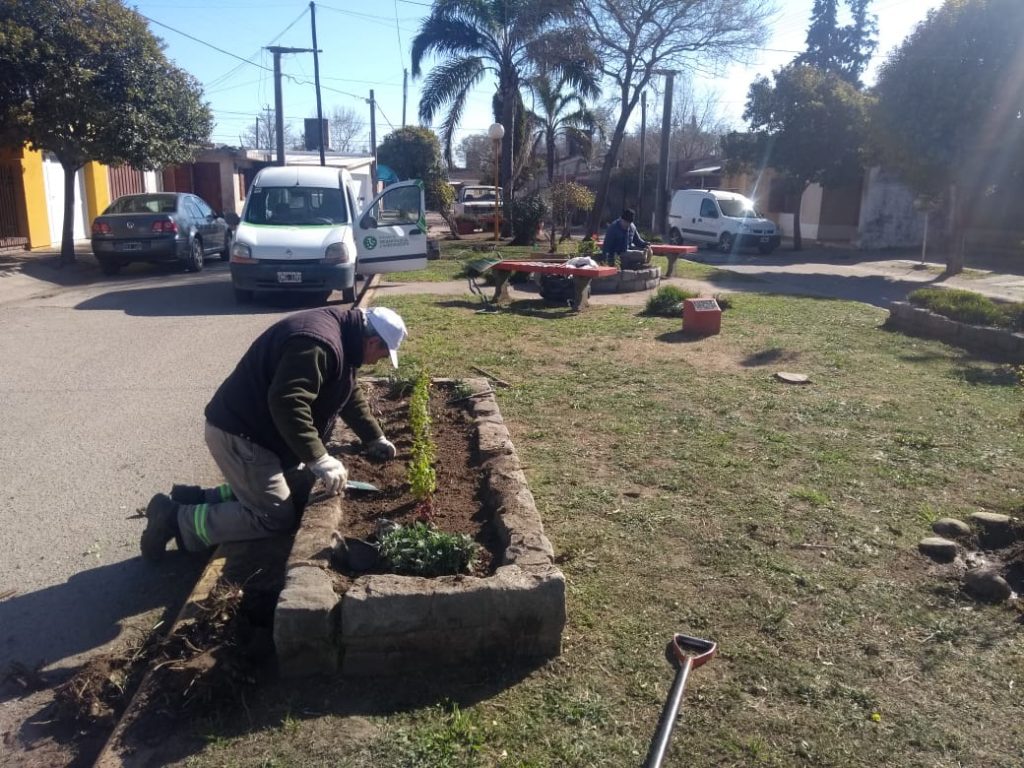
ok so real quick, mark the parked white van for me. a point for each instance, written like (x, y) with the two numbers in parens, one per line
(725, 219)
(302, 229)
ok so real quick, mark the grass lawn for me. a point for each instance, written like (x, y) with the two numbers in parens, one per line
(685, 490)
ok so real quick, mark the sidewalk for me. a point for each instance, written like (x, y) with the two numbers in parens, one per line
(26, 273)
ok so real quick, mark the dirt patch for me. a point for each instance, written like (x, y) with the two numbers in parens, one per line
(457, 506)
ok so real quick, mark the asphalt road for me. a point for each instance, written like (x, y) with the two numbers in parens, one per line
(102, 390)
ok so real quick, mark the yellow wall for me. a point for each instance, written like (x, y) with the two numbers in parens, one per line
(97, 189)
(37, 220)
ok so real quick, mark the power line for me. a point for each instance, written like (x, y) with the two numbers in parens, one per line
(202, 42)
(282, 33)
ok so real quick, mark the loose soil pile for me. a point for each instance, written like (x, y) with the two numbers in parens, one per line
(457, 507)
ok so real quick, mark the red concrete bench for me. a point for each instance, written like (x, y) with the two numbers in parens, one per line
(671, 252)
(581, 277)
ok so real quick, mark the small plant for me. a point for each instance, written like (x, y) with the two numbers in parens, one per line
(668, 301)
(422, 550)
(528, 214)
(461, 389)
(421, 476)
(401, 382)
(586, 247)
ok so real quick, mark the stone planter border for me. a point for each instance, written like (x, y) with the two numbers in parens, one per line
(998, 343)
(387, 624)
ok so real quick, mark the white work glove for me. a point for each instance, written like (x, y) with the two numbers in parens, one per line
(331, 471)
(381, 449)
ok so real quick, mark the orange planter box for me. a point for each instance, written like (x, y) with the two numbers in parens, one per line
(701, 317)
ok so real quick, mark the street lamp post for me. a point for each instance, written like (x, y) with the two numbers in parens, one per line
(497, 133)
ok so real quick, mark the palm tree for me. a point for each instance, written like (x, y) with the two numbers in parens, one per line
(509, 39)
(560, 110)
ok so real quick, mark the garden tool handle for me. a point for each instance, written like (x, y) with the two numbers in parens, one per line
(697, 650)
(690, 652)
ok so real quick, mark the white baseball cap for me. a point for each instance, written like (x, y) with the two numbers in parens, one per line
(389, 325)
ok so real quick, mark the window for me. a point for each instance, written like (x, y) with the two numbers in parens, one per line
(193, 209)
(708, 209)
(158, 203)
(204, 209)
(398, 206)
(296, 206)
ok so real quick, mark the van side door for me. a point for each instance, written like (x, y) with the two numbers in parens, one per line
(702, 224)
(391, 234)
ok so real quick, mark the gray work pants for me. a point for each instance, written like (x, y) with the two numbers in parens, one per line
(264, 504)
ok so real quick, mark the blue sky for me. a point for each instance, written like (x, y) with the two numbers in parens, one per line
(366, 45)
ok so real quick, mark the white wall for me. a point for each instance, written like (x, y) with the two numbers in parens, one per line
(53, 180)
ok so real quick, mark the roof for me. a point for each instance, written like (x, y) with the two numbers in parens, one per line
(352, 162)
(294, 175)
(704, 171)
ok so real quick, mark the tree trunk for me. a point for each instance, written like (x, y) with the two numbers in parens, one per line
(601, 195)
(508, 111)
(549, 140)
(67, 236)
(798, 240)
(453, 226)
(955, 253)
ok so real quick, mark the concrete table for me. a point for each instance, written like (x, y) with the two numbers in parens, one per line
(581, 278)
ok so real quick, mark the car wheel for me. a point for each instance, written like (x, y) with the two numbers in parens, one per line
(348, 295)
(194, 261)
(725, 243)
(675, 237)
(225, 255)
(243, 296)
(109, 266)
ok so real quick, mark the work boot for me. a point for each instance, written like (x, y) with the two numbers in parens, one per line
(161, 527)
(188, 494)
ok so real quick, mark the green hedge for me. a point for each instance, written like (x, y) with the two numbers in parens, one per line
(968, 307)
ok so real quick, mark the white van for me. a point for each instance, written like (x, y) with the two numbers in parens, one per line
(725, 219)
(302, 229)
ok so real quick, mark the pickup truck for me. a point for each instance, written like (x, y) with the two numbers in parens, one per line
(474, 207)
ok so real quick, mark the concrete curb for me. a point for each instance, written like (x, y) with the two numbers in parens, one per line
(387, 624)
(995, 343)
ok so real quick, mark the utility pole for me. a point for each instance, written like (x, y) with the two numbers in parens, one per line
(277, 50)
(661, 193)
(316, 80)
(643, 159)
(373, 140)
(405, 92)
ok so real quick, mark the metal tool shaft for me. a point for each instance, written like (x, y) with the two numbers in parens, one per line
(659, 746)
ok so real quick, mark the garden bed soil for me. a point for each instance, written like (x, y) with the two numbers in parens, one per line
(457, 505)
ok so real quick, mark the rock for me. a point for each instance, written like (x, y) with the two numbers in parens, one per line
(996, 530)
(951, 528)
(990, 519)
(792, 378)
(942, 550)
(986, 584)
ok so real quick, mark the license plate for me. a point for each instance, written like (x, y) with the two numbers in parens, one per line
(289, 277)
(129, 245)
(764, 239)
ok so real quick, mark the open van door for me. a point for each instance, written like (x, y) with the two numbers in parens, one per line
(391, 234)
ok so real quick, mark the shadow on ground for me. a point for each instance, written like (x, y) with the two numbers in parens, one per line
(870, 289)
(85, 612)
(186, 298)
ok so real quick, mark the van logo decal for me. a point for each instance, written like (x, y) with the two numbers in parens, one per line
(369, 242)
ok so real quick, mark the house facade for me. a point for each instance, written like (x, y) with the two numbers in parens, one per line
(32, 188)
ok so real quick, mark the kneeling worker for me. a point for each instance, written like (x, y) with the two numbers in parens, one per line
(275, 411)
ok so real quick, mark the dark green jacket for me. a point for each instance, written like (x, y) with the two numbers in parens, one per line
(289, 387)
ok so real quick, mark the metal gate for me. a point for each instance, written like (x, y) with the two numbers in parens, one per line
(125, 180)
(11, 235)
